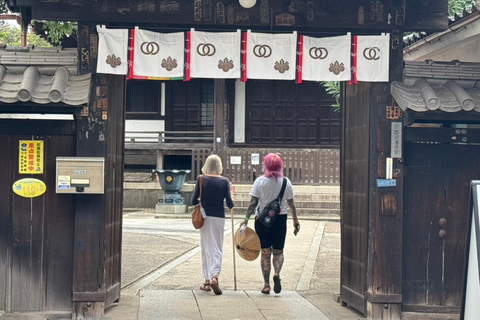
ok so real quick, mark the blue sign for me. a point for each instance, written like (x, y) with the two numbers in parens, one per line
(383, 183)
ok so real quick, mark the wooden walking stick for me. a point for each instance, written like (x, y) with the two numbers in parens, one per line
(233, 247)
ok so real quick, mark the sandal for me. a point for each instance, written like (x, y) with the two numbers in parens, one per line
(266, 289)
(215, 286)
(205, 287)
(277, 286)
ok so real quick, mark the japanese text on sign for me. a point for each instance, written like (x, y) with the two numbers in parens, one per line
(30, 157)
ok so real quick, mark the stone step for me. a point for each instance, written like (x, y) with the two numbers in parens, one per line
(298, 197)
(334, 189)
(242, 188)
(300, 211)
(301, 204)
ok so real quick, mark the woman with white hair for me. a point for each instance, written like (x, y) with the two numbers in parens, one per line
(215, 189)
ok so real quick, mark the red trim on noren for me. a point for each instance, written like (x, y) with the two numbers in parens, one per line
(188, 60)
(300, 60)
(355, 55)
(132, 54)
(355, 58)
(244, 70)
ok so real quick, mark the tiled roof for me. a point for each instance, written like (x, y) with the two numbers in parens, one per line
(415, 37)
(45, 75)
(430, 85)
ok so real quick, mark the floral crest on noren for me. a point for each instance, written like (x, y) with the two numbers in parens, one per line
(113, 61)
(225, 64)
(169, 63)
(281, 66)
(336, 67)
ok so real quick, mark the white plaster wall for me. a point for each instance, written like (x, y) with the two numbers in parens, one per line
(239, 126)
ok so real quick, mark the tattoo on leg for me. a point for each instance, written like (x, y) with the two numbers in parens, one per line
(277, 260)
(266, 264)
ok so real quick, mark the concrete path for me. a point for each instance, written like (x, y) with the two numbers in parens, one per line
(162, 274)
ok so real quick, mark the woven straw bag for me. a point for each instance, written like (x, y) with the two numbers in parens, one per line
(247, 244)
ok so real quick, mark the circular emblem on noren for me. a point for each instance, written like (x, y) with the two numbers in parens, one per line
(206, 49)
(318, 53)
(150, 48)
(262, 51)
(372, 53)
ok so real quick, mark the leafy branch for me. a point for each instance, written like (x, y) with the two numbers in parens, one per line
(333, 88)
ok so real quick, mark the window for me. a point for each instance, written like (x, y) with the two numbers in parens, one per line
(143, 98)
(207, 105)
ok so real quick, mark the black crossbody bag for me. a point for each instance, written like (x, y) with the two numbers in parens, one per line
(269, 214)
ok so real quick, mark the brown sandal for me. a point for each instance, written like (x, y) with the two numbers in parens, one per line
(215, 286)
(205, 287)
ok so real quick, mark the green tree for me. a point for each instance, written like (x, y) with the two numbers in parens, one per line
(57, 30)
(333, 89)
(10, 35)
(457, 6)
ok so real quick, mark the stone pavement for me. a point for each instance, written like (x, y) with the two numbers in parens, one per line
(162, 273)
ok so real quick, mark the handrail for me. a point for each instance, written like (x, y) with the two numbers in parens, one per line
(165, 137)
(173, 132)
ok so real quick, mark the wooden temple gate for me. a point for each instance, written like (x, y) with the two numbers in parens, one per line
(372, 218)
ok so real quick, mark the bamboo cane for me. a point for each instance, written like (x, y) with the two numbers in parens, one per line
(233, 247)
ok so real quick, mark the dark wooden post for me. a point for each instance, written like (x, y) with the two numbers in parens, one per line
(219, 115)
(97, 231)
(26, 14)
(384, 276)
(88, 291)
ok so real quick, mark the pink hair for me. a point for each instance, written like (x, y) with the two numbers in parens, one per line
(273, 165)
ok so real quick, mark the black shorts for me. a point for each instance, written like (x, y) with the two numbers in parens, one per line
(273, 236)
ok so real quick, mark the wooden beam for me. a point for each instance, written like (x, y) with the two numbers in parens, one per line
(167, 146)
(340, 15)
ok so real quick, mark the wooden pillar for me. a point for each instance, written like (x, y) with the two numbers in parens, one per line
(385, 244)
(240, 105)
(26, 14)
(159, 160)
(219, 115)
(89, 293)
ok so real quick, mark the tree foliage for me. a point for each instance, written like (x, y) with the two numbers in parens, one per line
(57, 30)
(333, 89)
(457, 6)
(10, 35)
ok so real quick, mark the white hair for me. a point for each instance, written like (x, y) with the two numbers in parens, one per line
(213, 165)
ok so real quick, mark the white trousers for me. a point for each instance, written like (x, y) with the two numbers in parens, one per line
(211, 236)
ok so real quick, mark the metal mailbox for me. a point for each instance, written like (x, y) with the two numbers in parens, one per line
(80, 175)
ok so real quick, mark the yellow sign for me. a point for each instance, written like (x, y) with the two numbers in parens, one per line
(30, 157)
(29, 188)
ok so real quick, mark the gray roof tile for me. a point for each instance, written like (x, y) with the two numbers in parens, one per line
(42, 75)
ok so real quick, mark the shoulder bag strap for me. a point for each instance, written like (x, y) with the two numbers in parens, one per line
(284, 185)
(201, 187)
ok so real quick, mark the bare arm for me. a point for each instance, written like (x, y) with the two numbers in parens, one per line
(251, 209)
(293, 211)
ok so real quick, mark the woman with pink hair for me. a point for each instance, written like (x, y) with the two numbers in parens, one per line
(272, 236)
